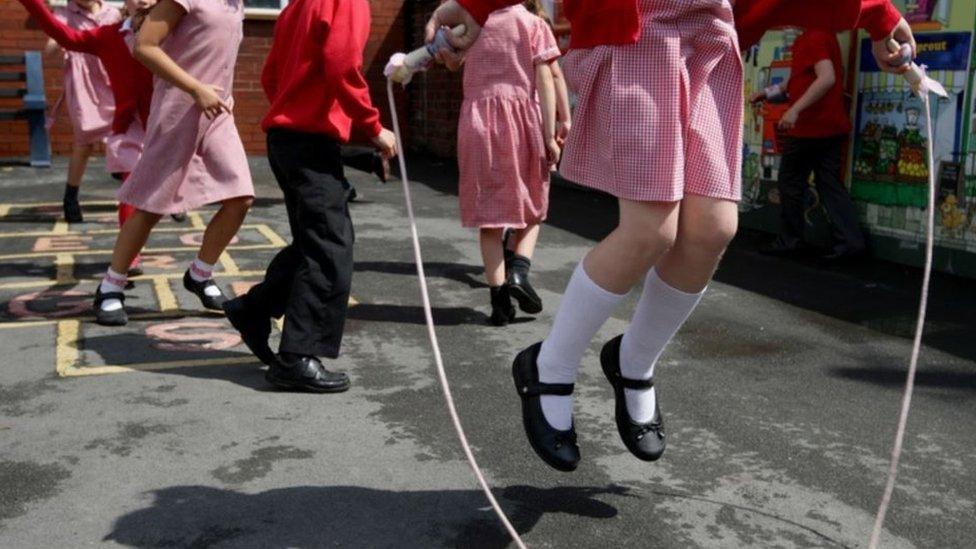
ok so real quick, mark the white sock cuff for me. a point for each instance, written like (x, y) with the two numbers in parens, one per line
(665, 291)
(580, 276)
(200, 270)
(115, 279)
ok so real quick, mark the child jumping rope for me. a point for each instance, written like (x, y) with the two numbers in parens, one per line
(131, 85)
(505, 148)
(319, 97)
(658, 125)
(87, 94)
(193, 154)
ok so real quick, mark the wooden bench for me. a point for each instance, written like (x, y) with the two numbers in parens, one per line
(28, 70)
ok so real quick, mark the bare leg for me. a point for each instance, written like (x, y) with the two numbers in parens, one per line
(492, 256)
(525, 240)
(132, 238)
(223, 227)
(646, 231)
(78, 163)
(705, 228)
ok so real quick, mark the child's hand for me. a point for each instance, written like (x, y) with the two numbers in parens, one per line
(562, 132)
(553, 151)
(756, 97)
(788, 120)
(386, 143)
(890, 61)
(207, 97)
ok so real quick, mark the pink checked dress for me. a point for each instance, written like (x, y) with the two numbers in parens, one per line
(87, 92)
(189, 160)
(504, 176)
(661, 118)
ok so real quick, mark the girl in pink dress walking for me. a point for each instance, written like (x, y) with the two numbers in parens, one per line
(87, 95)
(193, 154)
(506, 145)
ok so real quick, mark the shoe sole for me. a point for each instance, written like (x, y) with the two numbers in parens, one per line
(525, 302)
(557, 465)
(121, 322)
(294, 386)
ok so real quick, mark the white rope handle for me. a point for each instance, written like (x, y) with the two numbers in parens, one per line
(906, 399)
(438, 361)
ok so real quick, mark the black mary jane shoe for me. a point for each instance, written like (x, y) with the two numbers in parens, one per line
(645, 440)
(557, 448)
(502, 310)
(519, 286)
(254, 329)
(109, 318)
(72, 210)
(306, 373)
(213, 303)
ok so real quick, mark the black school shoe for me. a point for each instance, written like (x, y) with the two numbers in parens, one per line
(519, 286)
(645, 440)
(557, 448)
(502, 310)
(109, 318)
(72, 210)
(254, 329)
(215, 303)
(306, 373)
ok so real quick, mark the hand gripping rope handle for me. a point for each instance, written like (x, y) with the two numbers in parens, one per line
(394, 71)
(922, 85)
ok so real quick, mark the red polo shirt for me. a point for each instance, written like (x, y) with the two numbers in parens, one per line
(313, 75)
(827, 117)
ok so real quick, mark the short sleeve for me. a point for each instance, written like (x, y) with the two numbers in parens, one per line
(818, 47)
(187, 5)
(544, 47)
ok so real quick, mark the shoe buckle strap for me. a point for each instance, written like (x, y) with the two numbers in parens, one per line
(635, 384)
(537, 389)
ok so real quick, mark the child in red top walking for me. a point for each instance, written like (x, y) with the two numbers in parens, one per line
(193, 154)
(506, 145)
(131, 86)
(657, 124)
(87, 95)
(319, 98)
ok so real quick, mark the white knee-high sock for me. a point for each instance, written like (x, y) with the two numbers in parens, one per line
(660, 313)
(584, 308)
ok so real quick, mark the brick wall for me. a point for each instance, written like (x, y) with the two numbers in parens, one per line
(18, 33)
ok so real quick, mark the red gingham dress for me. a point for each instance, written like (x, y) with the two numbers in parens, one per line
(504, 176)
(663, 117)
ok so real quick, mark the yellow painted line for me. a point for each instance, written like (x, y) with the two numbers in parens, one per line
(65, 264)
(115, 230)
(176, 314)
(33, 255)
(66, 348)
(60, 227)
(196, 221)
(273, 237)
(11, 205)
(151, 366)
(230, 266)
(30, 284)
(353, 301)
(4, 210)
(164, 295)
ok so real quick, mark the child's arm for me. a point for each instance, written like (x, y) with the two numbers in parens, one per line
(564, 116)
(158, 25)
(547, 100)
(826, 78)
(52, 47)
(67, 37)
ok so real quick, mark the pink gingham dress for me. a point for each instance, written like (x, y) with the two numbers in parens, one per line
(504, 176)
(124, 150)
(87, 92)
(661, 118)
(189, 160)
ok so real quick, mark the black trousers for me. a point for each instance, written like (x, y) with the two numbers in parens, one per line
(822, 156)
(308, 281)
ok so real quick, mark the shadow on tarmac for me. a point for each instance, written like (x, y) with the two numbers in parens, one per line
(930, 377)
(469, 275)
(348, 516)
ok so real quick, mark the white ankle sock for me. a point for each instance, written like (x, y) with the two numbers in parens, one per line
(112, 282)
(202, 272)
(660, 313)
(584, 308)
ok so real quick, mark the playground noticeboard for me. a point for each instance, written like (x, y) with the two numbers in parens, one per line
(889, 163)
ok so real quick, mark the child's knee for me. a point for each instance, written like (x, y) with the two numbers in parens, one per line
(651, 238)
(711, 239)
(241, 204)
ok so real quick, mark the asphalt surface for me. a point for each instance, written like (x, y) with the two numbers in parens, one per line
(780, 396)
